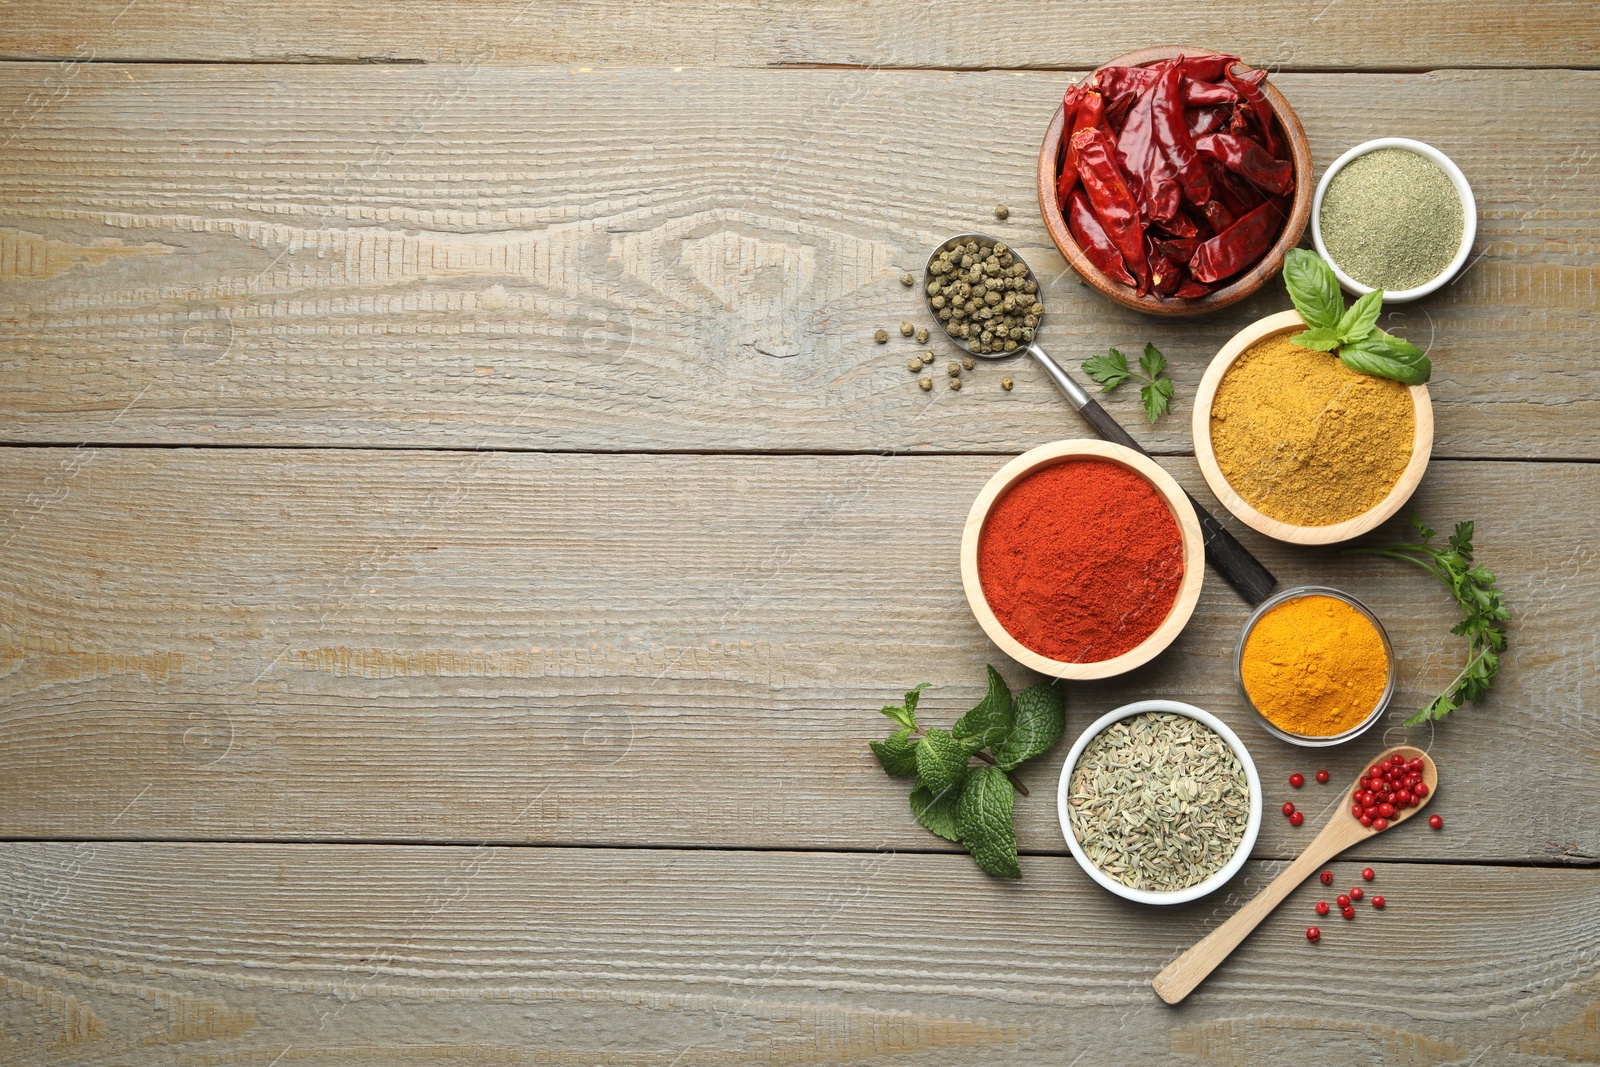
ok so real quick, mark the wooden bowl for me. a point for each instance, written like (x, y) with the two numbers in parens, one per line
(1421, 447)
(1188, 530)
(1235, 291)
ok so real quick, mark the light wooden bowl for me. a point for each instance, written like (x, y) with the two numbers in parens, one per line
(1421, 447)
(1239, 288)
(1188, 530)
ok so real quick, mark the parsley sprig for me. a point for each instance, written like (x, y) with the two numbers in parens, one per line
(967, 804)
(1483, 612)
(1111, 370)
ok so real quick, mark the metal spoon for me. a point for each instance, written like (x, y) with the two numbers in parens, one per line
(1231, 559)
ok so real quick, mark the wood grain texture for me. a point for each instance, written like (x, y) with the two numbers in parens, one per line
(640, 260)
(672, 650)
(122, 954)
(1286, 34)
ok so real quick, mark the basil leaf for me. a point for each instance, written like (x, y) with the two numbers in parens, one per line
(1361, 318)
(1313, 288)
(1319, 339)
(1110, 370)
(1388, 356)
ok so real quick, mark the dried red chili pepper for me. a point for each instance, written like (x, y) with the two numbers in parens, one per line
(1249, 85)
(1238, 246)
(1091, 237)
(1164, 273)
(1172, 135)
(1088, 111)
(1206, 68)
(1238, 195)
(1204, 120)
(1178, 249)
(1069, 122)
(1114, 82)
(1192, 290)
(1249, 160)
(1180, 225)
(1111, 199)
(1217, 216)
(1202, 94)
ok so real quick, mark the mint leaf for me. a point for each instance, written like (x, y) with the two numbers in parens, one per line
(1361, 318)
(989, 722)
(942, 763)
(912, 696)
(1041, 717)
(1157, 396)
(1320, 339)
(1110, 370)
(937, 815)
(1388, 356)
(1152, 362)
(897, 753)
(902, 716)
(983, 816)
(1314, 289)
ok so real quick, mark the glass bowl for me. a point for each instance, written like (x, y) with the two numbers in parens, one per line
(1315, 741)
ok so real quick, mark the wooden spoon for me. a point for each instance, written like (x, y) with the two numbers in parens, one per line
(1343, 830)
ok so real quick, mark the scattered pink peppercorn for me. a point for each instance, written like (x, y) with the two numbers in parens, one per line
(1322, 907)
(1343, 899)
(1297, 779)
(1356, 893)
(1367, 873)
(1296, 818)
(1377, 902)
(1288, 807)
(1435, 822)
(1348, 912)
(1327, 877)
(1313, 935)
(1322, 777)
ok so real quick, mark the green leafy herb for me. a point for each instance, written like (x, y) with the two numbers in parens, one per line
(965, 803)
(1483, 613)
(1111, 370)
(1352, 333)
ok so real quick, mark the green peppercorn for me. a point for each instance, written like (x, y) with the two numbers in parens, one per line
(1002, 212)
(968, 362)
(1005, 383)
(906, 329)
(922, 335)
(926, 383)
(907, 280)
(954, 368)
(927, 358)
(914, 365)
(881, 336)
(955, 383)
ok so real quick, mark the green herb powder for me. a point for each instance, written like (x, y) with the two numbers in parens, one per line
(1392, 219)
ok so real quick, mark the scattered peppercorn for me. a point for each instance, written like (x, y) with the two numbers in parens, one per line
(955, 383)
(1368, 873)
(1436, 822)
(1288, 807)
(1313, 935)
(1322, 776)
(1002, 212)
(881, 336)
(926, 383)
(922, 335)
(914, 365)
(1377, 902)
(968, 362)
(954, 368)
(906, 329)
(1296, 818)
(1322, 907)
(1297, 780)
(1356, 893)
(1327, 877)
(1343, 900)
(927, 358)
(1348, 912)
(907, 280)
(1006, 383)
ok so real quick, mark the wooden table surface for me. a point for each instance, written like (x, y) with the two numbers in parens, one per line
(456, 532)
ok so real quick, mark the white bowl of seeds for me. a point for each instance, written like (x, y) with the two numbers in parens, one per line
(1159, 802)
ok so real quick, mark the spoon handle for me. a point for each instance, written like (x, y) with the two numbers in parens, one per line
(1223, 551)
(1190, 969)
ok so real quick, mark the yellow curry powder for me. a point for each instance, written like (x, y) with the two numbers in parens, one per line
(1305, 439)
(1314, 666)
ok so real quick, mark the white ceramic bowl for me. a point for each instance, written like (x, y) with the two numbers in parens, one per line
(1469, 211)
(1252, 825)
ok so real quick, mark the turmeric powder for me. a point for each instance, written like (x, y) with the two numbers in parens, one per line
(1314, 666)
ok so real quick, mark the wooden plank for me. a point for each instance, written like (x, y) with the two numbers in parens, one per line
(670, 650)
(134, 954)
(513, 258)
(1282, 34)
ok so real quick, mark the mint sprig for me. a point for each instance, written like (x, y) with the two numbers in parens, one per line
(957, 800)
(1111, 370)
(1352, 333)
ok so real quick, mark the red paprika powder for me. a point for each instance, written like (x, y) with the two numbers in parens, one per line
(1081, 560)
